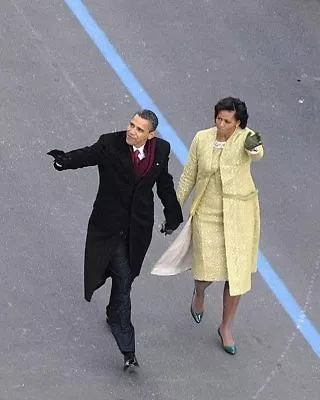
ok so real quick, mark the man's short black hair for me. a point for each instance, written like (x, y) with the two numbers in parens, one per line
(233, 104)
(149, 116)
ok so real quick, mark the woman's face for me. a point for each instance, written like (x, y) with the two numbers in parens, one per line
(226, 123)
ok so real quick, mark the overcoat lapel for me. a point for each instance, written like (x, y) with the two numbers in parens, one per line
(124, 160)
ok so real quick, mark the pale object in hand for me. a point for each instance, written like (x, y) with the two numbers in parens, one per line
(178, 257)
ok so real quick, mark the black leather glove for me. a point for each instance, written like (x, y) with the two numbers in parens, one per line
(253, 140)
(59, 156)
(167, 230)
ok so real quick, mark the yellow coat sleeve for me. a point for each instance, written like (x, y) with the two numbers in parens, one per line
(256, 154)
(189, 174)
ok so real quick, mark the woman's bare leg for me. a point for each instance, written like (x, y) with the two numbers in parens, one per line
(198, 299)
(230, 305)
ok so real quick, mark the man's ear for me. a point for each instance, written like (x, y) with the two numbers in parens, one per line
(151, 135)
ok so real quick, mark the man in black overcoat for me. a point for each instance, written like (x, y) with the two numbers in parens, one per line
(120, 227)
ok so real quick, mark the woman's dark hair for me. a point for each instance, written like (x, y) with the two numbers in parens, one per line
(233, 104)
(149, 116)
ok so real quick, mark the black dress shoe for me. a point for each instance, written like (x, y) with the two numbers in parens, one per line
(130, 362)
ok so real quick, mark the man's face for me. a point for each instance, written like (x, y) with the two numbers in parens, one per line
(139, 131)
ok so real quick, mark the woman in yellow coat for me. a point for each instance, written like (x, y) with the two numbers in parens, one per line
(225, 210)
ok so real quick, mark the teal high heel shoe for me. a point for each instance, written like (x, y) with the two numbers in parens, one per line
(196, 316)
(228, 349)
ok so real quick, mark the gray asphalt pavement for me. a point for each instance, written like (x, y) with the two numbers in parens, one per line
(57, 91)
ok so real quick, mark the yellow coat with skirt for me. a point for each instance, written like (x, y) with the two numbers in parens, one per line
(241, 214)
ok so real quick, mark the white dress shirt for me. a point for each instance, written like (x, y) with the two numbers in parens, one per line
(141, 154)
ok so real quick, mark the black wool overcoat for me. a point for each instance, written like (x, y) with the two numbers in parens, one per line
(124, 206)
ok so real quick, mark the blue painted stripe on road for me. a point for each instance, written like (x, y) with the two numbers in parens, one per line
(303, 324)
(276, 285)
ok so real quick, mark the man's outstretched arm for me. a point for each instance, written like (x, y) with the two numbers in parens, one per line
(80, 158)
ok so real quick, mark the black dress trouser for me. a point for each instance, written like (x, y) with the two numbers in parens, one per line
(119, 307)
